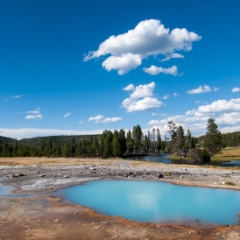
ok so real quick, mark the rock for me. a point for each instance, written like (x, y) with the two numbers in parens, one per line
(96, 227)
(160, 175)
(181, 176)
(42, 175)
(66, 176)
(21, 175)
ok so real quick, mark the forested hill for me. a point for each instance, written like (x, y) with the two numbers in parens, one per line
(6, 139)
(228, 139)
(38, 141)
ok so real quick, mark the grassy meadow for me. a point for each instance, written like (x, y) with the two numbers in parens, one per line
(227, 154)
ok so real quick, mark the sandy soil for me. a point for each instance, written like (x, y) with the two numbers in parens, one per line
(45, 217)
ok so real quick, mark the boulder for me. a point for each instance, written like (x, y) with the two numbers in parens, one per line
(160, 175)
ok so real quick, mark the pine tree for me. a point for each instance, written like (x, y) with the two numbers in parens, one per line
(122, 140)
(159, 141)
(116, 146)
(213, 138)
(129, 142)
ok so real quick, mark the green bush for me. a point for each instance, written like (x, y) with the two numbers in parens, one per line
(199, 155)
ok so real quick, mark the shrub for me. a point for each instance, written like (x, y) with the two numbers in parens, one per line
(199, 155)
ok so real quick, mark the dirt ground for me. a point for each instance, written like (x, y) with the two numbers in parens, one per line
(45, 217)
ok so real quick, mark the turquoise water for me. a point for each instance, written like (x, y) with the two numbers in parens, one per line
(149, 201)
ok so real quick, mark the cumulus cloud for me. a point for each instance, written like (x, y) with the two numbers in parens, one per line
(225, 112)
(153, 70)
(236, 89)
(175, 94)
(122, 63)
(101, 119)
(141, 99)
(110, 120)
(221, 105)
(230, 129)
(200, 89)
(34, 114)
(149, 37)
(130, 87)
(67, 115)
(96, 119)
(229, 118)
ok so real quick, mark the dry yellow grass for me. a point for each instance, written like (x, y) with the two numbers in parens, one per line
(54, 161)
(227, 154)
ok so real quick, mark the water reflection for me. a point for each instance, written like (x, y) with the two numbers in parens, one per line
(162, 158)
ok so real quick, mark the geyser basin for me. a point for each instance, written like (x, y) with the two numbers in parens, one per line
(150, 201)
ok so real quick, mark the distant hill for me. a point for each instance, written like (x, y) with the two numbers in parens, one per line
(7, 139)
(37, 141)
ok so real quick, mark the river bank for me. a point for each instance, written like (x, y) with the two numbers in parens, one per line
(44, 217)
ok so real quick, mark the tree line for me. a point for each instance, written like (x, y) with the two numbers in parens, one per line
(108, 144)
(120, 144)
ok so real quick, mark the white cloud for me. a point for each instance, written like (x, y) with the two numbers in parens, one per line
(153, 70)
(215, 89)
(149, 37)
(175, 94)
(80, 122)
(122, 63)
(173, 55)
(130, 87)
(143, 90)
(147, 103)
(166, 96)
(96, 118)
(141, 98)
(37, 116)
(34, 132)
(200, 89)
(16, 96)
(110, 120)
(236, 89)
(34, 114)
(36, 111)
(67, 115)
(221, 105)
(226, 114)
(230, 129)
(101, 119)
(229, 118)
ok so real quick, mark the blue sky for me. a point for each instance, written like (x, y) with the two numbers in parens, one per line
(79, 67)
